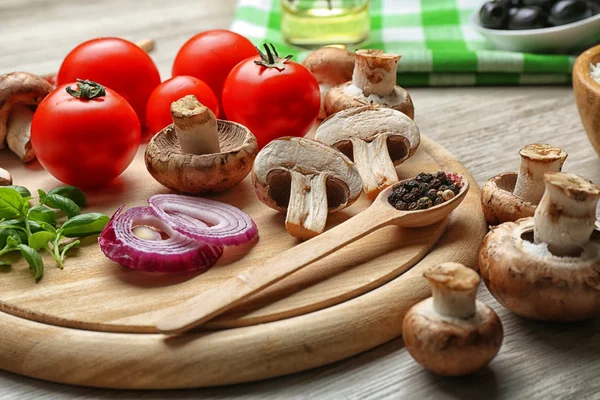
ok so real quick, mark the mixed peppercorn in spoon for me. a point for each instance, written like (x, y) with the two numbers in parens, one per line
(425, 191)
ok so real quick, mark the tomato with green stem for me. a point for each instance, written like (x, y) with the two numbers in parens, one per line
(85, 136)
(272, 96)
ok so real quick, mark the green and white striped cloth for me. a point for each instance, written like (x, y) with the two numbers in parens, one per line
(437, 44)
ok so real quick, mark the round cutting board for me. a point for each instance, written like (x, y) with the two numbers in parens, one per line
(93, 322)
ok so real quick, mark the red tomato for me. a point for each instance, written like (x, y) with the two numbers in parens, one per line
(114, 63)
(210, 56)
(272, 99)
(158, 111)
(85, 142)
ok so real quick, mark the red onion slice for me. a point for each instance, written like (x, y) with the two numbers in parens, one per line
(177, 253)
(228, 225)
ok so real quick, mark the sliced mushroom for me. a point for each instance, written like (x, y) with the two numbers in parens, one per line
(548, 267)
(510, 196)
(5, 177)
(199, 153)
(376, 139)
(373, 82)
(331, 66)
(307, 179)
(20, 93)
(452, 333)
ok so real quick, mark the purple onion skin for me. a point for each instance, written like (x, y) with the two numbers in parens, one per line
(198, 257)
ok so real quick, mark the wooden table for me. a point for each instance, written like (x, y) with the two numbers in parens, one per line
(483, 127)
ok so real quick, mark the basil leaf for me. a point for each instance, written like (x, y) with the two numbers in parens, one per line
(39, 226)
(12, 242)
(11, 203)
(71, 192)
(84, 225)
(5, 233)
(62, 203)
(41, 213)
(39, 240)
(12, 222)
(23, 191)
(34, 260)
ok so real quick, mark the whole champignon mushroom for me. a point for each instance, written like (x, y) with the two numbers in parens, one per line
(20, 93)
(510, 196)
(553, 274)
(373, 82)
(331, 66)
(452, 333)
(376, 139)
(5, 177)
(199, 153)
(307, 179)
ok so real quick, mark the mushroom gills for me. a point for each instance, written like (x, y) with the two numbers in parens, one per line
(19, 132)
(374, 161)
(307, 210)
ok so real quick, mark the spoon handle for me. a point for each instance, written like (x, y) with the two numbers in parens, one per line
(213, 302)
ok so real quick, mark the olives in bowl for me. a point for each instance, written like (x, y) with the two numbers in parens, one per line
(534, 14)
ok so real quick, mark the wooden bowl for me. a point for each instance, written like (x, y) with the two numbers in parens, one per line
(587, 94)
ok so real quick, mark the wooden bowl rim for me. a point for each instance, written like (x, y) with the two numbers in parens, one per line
(581, 69)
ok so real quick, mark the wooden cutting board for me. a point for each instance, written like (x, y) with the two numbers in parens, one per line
(337, 307)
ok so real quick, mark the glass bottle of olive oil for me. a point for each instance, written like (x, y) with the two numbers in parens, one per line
(316, 23)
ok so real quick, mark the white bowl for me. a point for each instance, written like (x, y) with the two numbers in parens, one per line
(575, 36)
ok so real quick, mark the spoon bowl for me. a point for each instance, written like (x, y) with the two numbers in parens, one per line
(211, 303)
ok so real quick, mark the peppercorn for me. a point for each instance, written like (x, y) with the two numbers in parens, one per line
(424, 177)
(443, 187)
(436, 183)
(448, 194)
(432, 194)
(454, 188)
(412, 206)
(424, 191)
(438, 200)
(423, 203)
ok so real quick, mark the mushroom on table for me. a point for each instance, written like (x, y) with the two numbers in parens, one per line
(199, 153)
(373, 83)
(5, 177)
(20, 94)
(547, 267)
(331, 66)
(510, 196)
(452, 333)
(306, 179)
(376, 139)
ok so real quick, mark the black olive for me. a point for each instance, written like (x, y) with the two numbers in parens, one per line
(567, 11)
(510, 3)
(528, 18)
(594, 7)
(493, 15)
(546, 5)
(512, 11)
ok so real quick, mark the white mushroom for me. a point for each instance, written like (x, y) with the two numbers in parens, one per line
(452, 333)
(331, 66)
(510, 196)
(376, 139)
(307, 179)
(5, 177)
(20, 93)
(373, 83)
(198, 153)
(547, 267)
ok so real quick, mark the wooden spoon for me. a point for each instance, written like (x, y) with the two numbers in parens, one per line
(211, 303)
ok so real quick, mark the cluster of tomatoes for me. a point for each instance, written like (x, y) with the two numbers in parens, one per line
(89, 141)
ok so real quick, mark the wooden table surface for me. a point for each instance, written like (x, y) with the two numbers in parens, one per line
(483, 127)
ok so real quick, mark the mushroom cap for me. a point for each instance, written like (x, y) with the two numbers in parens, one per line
(195, 174)
(500, 204)
(5, 177)
(331, 65)
(532, 282)
(452, 346)
(271, 172)
(366, 123)
(542, 152)
(347, 95)
(19, 88)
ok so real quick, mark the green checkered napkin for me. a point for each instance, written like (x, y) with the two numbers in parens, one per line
(437, 44)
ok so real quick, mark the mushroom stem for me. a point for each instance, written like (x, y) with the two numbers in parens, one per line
(195, 126)
(454, 289)
(374, 164)
(5, 177)
(536, 160)
(18, 134)
(566, 215)
(307, 209)
(375, 72)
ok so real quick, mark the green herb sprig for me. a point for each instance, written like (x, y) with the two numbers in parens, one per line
(29, 229)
